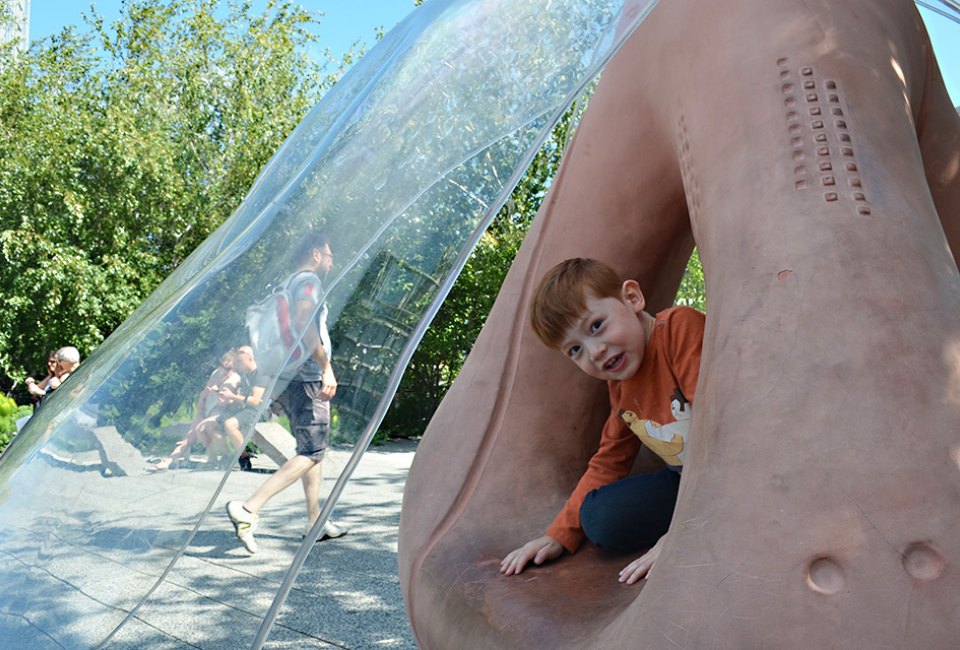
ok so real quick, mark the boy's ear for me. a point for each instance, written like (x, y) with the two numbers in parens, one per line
(631, 295)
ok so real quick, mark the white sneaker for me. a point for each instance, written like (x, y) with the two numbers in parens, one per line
(245, 523)
(330, 531)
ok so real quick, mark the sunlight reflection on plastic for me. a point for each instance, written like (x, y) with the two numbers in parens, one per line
(402, 165)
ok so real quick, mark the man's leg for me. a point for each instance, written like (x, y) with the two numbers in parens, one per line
(244, 514)
(295, 468)
(234, 436)
(312, 439)
(312, 481)
(310, 421)
(210, 435)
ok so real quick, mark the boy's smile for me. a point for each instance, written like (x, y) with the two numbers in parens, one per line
(609, 339)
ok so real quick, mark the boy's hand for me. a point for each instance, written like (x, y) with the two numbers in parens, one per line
(642, 565)
(539, 550)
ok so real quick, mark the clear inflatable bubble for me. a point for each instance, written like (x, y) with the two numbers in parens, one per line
(401, 166)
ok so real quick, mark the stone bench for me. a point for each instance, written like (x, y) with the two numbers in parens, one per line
(274, 441)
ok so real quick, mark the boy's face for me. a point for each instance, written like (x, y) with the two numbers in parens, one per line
(609, 339)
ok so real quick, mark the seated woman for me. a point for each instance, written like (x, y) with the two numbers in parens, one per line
(224, 379)
(38, 389)
(222, 433)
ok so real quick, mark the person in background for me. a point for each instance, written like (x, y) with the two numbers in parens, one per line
(38, 389)
(209, 405)
(68, 358)
(306, 400)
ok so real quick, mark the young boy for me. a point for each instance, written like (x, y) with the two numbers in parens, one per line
(651, 365)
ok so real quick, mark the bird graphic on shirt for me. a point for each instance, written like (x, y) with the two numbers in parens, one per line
(666, 440)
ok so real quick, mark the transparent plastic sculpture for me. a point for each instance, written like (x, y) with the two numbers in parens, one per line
(402, 165)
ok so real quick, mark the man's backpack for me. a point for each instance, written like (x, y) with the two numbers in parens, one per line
(277, 345)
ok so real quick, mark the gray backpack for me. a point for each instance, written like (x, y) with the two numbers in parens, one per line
(277, 345)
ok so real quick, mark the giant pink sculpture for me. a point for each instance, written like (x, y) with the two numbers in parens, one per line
(810, 150)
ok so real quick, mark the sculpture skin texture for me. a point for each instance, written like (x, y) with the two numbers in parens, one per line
(812, 152)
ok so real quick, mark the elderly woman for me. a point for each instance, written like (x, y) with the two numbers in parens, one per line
(68, 358)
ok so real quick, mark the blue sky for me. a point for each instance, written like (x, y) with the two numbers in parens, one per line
(346, 21)
(945, 35)
(342, 23)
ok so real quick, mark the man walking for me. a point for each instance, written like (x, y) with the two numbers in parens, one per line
(306, 400)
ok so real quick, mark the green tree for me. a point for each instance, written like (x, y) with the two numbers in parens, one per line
(9, 414)
(692, 291)
(160, 123)
(121, 149)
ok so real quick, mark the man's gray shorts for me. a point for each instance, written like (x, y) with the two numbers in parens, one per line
(309, 417)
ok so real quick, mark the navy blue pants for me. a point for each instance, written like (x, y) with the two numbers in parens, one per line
(631, 514)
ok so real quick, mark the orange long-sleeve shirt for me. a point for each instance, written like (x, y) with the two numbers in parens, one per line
(671, 361)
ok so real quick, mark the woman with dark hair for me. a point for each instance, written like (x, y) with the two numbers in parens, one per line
(38, 389)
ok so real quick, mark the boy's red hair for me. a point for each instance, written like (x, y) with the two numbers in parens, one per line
(560, 298)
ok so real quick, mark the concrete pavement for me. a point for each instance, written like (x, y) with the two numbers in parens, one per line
(347, 595)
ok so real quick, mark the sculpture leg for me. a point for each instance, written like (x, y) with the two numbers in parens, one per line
(528, 406)
(818, 500)
(817, 508)
(938, 131)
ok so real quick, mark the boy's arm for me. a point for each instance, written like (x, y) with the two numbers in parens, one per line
(611, 462)
(538, 550)
(641, 567)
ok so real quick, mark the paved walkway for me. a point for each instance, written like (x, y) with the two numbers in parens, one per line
(347, 596)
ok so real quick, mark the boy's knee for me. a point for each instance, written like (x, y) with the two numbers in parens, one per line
(597, 523)
(611, 524)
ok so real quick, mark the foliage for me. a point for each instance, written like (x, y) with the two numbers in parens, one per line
(9, 414)
(123, 148)
(692, 292)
